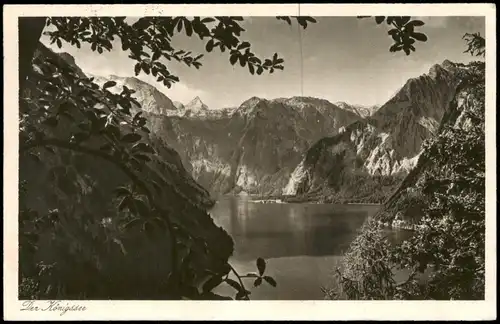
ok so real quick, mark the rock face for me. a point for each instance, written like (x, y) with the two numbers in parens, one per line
(384, 146)
(152, 100)
(255, 147)
(404, 206)
(362, 111)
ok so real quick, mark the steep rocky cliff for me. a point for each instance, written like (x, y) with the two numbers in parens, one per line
(362, 111)
(381, 148)
(255, 147)
(465, 115)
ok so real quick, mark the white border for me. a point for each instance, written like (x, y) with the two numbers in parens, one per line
(257, 310)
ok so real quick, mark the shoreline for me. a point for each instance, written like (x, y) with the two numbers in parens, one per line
(293, 200)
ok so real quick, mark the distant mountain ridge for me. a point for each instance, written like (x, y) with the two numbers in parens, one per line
(362, 111)
(254, 147)
(281, 145)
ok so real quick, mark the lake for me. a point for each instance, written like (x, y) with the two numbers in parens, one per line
(301, 243)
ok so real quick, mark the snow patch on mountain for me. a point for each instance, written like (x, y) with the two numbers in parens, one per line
(202, 165)
(296, 178)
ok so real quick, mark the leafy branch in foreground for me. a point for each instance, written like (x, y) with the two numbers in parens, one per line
(149, 40)
(404, 33)
(444, 259)
(475, 44)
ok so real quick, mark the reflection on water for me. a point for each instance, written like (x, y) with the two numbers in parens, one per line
(302, 243)
(288, 230)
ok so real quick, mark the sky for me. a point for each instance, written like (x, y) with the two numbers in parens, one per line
(343, 59)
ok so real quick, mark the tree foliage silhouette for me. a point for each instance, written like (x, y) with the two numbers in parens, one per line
(449, 243)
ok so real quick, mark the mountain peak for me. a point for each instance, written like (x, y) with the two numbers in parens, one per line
(196, 104)
(448, 65)
(360, 110)
(251, 102)
(445, 67)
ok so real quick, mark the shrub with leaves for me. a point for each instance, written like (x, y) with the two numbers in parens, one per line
(449, 243)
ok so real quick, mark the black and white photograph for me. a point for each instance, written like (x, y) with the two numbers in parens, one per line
(207, 157)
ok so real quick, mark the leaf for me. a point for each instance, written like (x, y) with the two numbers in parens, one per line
(310, 19)
(132, 223)
(404, 20)
(257, 282)
(207, 20)
(131, 138)
(242, 294)
(212, 283)
(270, 280)
(122, 191)
(156, 56)
(395, 48)
(109, 84)
(287, 19)
(148, 228)
(210, 45)
(396, 37)
(137, 69)
(417, 23)
(251, 69)
(142, 157)
(419, 36)
(379, 19)
(188, 27)
(233, 284)
(243, 45)
(261, 265)
(124, 203)
(233, 59)
(59, 44)
(179, 26)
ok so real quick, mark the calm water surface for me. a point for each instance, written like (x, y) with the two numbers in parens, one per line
(301, 242)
